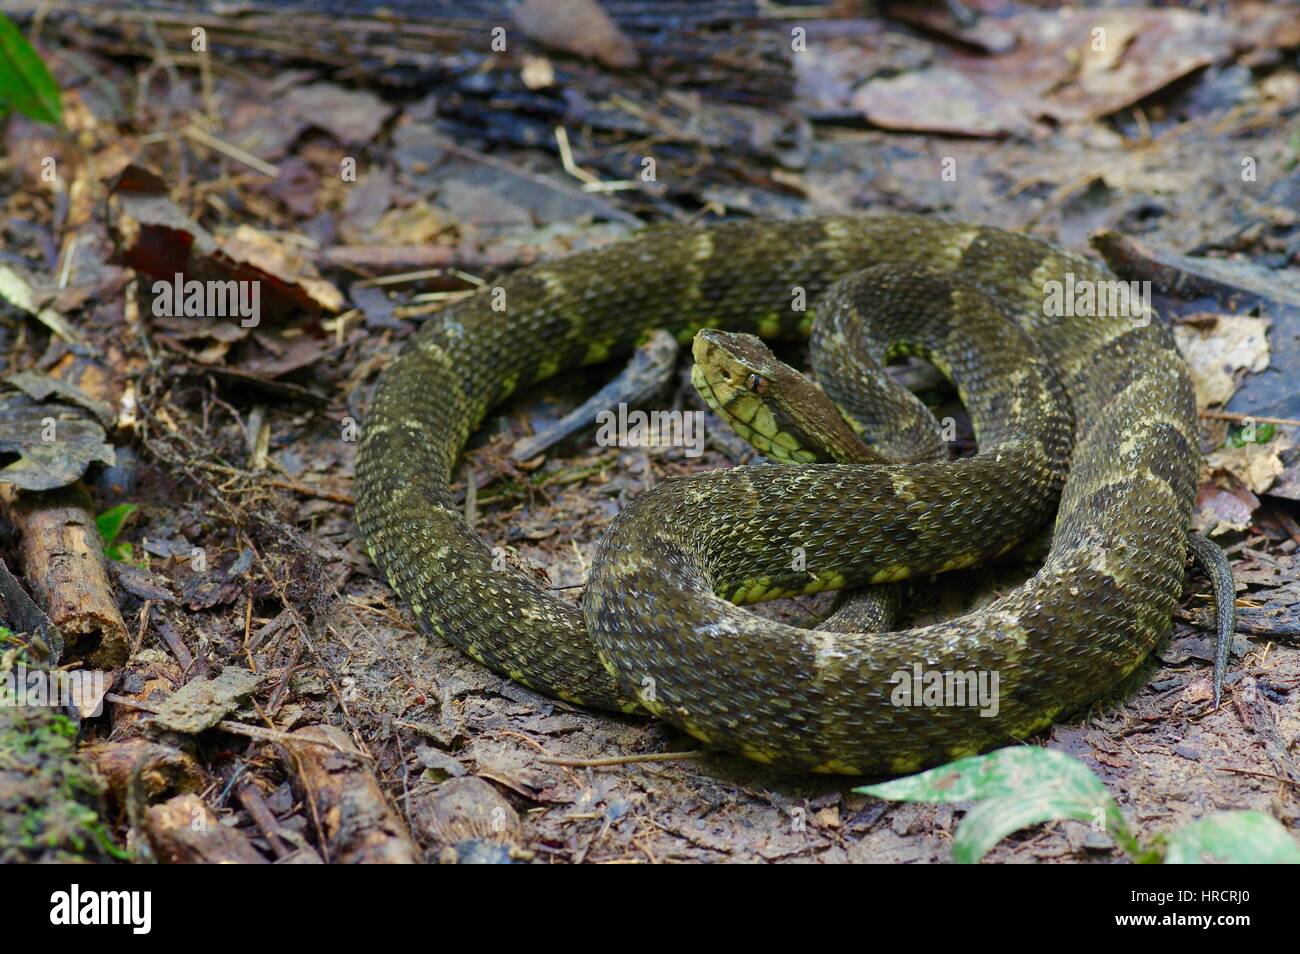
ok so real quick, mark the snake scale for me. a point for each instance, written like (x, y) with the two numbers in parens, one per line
(655, 629)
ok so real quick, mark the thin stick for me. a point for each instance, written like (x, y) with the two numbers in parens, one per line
(1233, 416)
(234, 152)
(401, 278)
(626, 759)
(566, 158)
(308, 491)
(1275, 778)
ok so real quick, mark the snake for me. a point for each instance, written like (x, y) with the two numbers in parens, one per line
(1092, 416)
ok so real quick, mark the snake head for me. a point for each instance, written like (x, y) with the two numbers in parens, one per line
(767, 402)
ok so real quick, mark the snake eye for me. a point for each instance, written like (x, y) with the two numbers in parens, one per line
(756, 383)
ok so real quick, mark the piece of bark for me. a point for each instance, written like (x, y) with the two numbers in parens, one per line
(63, 561)
(202, 703)
(162, 769)
(159, 682)
(183, 830)
(345, 800)
(24, 616)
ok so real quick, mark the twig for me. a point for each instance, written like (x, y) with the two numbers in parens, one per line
(234, 152)
(625, 759)
(1233, 416)
(1275, 778)
(309, 491)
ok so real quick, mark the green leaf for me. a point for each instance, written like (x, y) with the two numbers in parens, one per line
(1014, 788)
(25, 84)
(121, 552)
(1250, 838)
(110, 522)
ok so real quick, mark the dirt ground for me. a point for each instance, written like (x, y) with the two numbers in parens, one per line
(239, 444)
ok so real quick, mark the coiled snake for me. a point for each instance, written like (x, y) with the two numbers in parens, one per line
(656, 629)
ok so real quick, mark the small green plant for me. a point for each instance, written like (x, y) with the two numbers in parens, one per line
(25, 84)
(1016, 787)
(110, 524)
(1252, 434)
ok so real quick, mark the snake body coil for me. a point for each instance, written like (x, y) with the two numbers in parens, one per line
(652, 615)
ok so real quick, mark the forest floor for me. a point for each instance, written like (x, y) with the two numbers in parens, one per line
(238, 444)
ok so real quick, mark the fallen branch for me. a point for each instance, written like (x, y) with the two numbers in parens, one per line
(356, 824)
(63, 560)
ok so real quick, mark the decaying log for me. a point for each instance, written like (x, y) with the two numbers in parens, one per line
(731, 47)
(161, 769)
(345, 800)
(64, 562)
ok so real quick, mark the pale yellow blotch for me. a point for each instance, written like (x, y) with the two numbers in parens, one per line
(805, 457)
(764, 421)
(756, 755)
(825, 647)
(959, 562)
(956, 242)
(836, 767)
(828, 581)
(745, 408)
(905, 764)
(553, 282)
(769, 326)
(891, 574)
(546, 368)
(702, 246)
(787, 440)
(903, 488)
(653, 706)
(837, 229)
(597, 351)
(692, 729)
(1034, 723)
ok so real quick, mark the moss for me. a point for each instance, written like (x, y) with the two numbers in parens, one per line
(49, 799)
